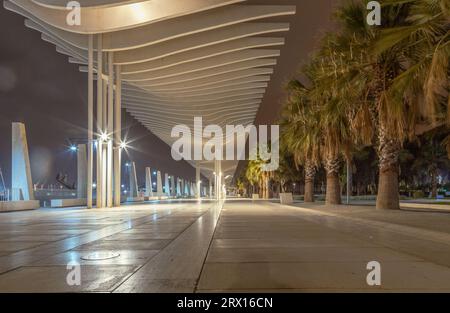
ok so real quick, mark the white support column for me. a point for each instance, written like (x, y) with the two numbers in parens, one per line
(110, 123)
(166, 185)
(99, 119)
(186, 188)
(179, 187)
(148, 182)
(22, 184)
(220, 180)
(210, 188)
(133, 181)
(216, 180)
(174, 189)
(105, 143)
(90, 145)
(81, 172)
(198, 182)
(159, 188)
(118, 138)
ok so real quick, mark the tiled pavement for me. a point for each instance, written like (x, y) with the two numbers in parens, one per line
(245, 246)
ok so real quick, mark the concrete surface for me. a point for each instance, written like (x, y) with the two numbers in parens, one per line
(243, 246)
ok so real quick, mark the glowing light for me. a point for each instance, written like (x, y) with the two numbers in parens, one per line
(138, 11)
(104, 137)
(94, 185)
(73, 148)
(123, 145)
(154, 173)
(127, 164)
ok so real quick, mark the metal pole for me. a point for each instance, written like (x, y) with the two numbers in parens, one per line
(118, 137)
(197, 180)
(99, 119)
(90, 148)
(105, 143)
(110, 118)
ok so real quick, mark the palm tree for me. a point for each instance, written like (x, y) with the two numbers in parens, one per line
(371, 76)
(301, 133)
(253, 175)
(431, 158)
(331, 100)
(423, 39)
(287, 170)
(370, 86)
(257, 176)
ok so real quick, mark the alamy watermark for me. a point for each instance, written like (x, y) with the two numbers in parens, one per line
(374, 276)
(207, 143)
(73, 18)
(374, 16)
(73, 277)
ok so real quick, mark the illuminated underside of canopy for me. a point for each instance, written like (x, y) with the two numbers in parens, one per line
(178, 58)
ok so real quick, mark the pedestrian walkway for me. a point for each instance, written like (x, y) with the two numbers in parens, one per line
(237, 246)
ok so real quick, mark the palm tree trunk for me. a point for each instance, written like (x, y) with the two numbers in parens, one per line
(388, 190)
(310, 172)
(333, 193)
(434, 182)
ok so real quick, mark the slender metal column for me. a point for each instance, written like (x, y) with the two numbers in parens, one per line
(106, 139)
(210, 190)
(197, 180)
(216, 179)
(110, 177)
(90, 147)
(220, 179)
(99, 118)
(117, 137)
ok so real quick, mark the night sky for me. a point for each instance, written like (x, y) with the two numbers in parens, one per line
(40, 88)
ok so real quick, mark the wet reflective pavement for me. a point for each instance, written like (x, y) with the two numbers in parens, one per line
(204, 247)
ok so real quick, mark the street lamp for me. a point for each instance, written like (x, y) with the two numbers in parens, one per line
(123, 145)
(104, 137)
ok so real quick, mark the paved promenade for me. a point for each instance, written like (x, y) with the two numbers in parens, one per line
(240, 246)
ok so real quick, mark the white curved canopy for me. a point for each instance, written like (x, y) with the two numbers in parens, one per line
(178, 58)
